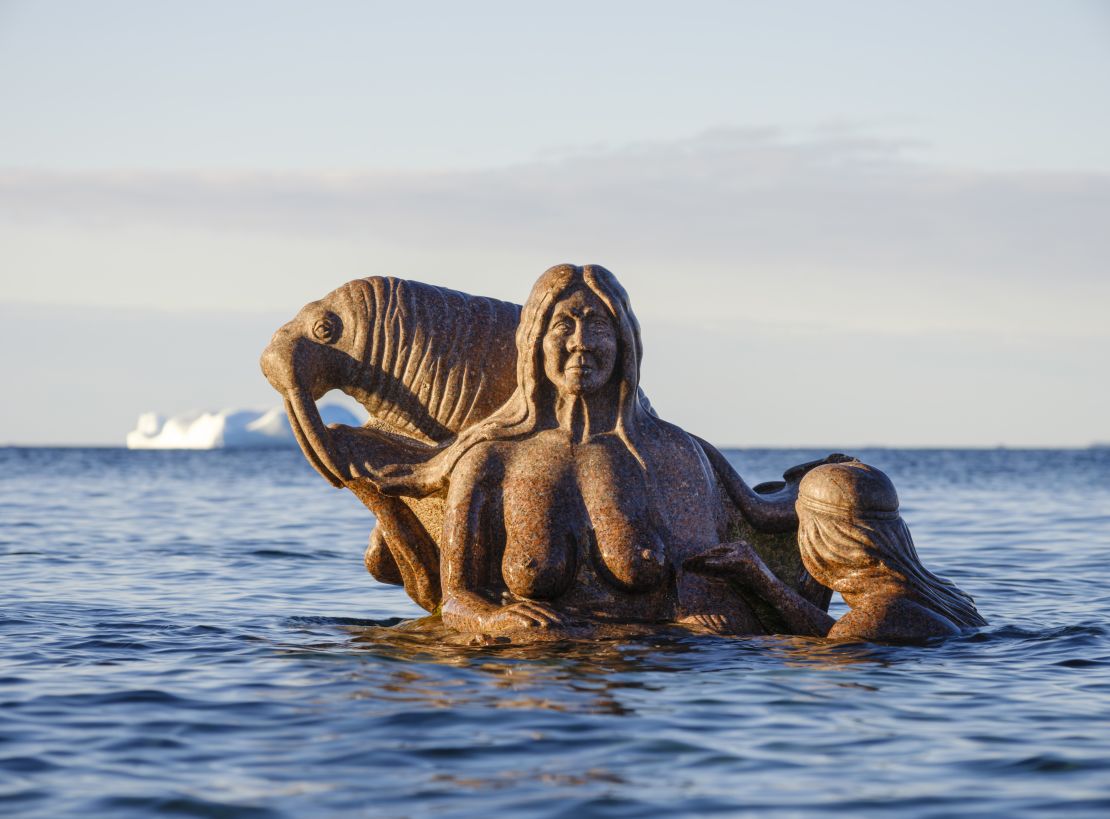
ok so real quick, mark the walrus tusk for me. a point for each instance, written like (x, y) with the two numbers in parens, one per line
(306, 447)
(308, 429)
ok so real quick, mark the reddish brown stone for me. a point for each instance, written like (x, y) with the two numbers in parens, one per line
(528, 488)
(852, 540)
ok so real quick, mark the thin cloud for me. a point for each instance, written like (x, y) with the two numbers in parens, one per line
(831, 289)
(726, 197)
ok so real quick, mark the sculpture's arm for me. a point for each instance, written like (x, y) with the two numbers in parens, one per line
(464, 554)
(739, 563)
(774, 514)
(411, 549)
(771, 512)
(376, 453)
(469, 603)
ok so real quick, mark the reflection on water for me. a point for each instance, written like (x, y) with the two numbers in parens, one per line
(192, 634)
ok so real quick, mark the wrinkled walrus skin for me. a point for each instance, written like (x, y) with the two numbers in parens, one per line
(425, 362)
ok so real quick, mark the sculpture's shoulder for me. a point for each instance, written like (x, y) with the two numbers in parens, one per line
(484, 462)
(673, 447)
(686, 483)
(891, 619)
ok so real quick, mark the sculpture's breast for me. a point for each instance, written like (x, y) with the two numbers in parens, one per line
(543, 519)
(630, 546)
(578, 521)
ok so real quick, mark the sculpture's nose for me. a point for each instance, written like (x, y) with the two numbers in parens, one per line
(576, 341)
(294, 371)
(276, 359)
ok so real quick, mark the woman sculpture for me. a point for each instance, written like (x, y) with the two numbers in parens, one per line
(573, 502)
(853, 541)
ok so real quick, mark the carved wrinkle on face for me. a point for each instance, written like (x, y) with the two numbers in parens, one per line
(580, 345)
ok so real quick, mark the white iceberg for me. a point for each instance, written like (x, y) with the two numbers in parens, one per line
(226, 429)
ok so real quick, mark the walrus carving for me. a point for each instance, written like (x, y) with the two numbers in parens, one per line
(427, 363)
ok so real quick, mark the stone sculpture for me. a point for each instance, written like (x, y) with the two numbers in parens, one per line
(854, 541)
(425, 362)
(527, 487)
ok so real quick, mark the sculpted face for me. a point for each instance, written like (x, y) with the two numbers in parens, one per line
(306, 358)
(580, 344)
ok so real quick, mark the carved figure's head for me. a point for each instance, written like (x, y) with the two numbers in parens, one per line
(577, 333)
(853, 540)
(580, 344)
(599, 346)
(321, 349)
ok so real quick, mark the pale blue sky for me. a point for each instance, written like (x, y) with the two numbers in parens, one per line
(903, 202)
(1003, 84)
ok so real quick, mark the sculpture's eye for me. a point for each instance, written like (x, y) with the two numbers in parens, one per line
(327, 328)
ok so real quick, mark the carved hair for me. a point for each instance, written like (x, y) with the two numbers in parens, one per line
(522, 413)
(853, 540)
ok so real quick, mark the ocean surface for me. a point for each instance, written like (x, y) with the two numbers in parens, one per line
(193, 634)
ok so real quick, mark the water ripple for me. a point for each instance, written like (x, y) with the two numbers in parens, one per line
(193, 634)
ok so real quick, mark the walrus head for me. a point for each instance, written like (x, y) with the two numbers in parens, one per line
(318, 351)
(423, 361)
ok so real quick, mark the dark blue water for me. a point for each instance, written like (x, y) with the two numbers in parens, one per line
(193, 634)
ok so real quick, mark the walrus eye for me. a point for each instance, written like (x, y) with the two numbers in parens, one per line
(327, 328)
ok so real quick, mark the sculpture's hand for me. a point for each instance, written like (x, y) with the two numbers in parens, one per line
(795, 473)
(343, 444)
(738, 561)
(717, 623)
(525, 614)
(376, 454)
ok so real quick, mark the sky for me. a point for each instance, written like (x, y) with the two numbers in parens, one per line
(860, 223)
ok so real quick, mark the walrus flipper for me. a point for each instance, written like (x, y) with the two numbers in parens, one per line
(411, 549)
(401, 551)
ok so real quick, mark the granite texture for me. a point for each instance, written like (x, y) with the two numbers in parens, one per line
(425, 362)
(852, 540)
(523, 486)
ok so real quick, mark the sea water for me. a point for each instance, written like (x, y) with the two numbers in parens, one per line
(193, 634)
